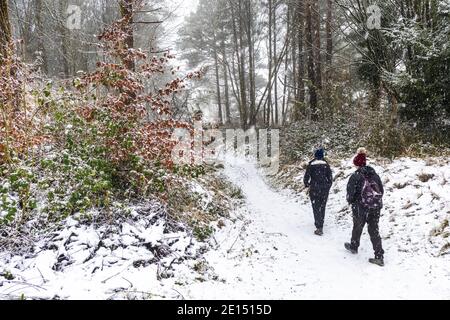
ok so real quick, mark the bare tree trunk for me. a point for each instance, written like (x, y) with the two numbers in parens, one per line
(286, 65)
(251, 58)
(292, 23)
(242, 100)
(299, 67)
(276, 62)
(40, 34)
(219, 98)
(227, 90)
(311, 68)
(329, 57)
(242, 68)
(317, 42)
(6, 118)
(269, 97)
(5, 27)
(328, 104)
(301, 53)
(64, 38)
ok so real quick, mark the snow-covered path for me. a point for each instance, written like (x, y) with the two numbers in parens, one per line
(271, 253)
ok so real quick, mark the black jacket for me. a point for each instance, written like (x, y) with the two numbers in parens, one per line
(356, 182)
(318, 176)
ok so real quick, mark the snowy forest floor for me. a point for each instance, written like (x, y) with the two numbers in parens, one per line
(266, 250)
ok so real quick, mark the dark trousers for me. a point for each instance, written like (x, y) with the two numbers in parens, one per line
(319, 203)
(361, 216)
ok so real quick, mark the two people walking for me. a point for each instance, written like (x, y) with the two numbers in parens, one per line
(364, 194)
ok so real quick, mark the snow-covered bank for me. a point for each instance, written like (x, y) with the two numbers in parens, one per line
(123, 260)
(119, 255)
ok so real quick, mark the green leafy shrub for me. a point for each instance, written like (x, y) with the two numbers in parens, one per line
(203, 232)
(192, 171)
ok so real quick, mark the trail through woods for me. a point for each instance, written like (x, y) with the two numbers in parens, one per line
(273, 253)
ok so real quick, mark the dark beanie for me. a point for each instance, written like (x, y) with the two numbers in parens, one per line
(319, 154)
(361, 158)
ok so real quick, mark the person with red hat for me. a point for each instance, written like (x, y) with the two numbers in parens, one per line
(365, 195)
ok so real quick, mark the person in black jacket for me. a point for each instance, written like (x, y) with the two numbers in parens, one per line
(318, 178)
(364, 194)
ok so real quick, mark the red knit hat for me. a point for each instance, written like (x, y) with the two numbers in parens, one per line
(360, 159)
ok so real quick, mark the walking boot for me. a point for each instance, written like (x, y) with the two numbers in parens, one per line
(348, 246)
(377, 261)
(319, 232)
